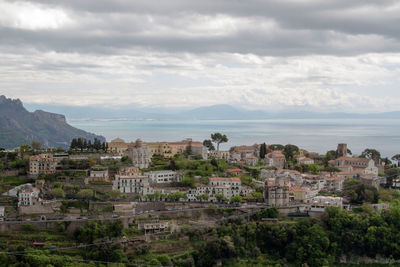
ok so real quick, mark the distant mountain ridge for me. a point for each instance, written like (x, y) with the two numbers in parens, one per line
(19, 126)
(214, 112)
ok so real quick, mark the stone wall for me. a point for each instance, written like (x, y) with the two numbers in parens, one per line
(10, 173)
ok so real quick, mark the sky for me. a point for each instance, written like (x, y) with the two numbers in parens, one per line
(320, 55)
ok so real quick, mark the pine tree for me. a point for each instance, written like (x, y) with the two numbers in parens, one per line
(79, 144)
(84, 145)
(263, 150)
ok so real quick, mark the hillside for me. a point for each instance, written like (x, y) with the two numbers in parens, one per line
(19, 126)
(215, 112)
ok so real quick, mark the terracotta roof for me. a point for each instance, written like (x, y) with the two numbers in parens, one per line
(306, 159)
(297, 188)
(354, 159)
(275, 154)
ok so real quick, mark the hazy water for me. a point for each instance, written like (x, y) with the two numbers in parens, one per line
(311, 134)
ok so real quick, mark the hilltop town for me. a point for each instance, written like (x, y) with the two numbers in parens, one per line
(162, 188)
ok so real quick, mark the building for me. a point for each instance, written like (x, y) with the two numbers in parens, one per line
(42, 164)
(319, 203)
(251, 161)
(2, 213)
(234, 172)
(170, 149)
(341, 150)
(99, 173)
(246, 151)
(333, 183)
(222, 181)
(153, 226)
(163, 177)
(275, 159)
(28, 195)
(305, 161)
(58, 157)
(129, 180)
(219, 154)
(300, 193)
(357, 165)
(160, 149)
(139, 154)
(228, 187)
(276, 192)
(117, 146)
(396, 182)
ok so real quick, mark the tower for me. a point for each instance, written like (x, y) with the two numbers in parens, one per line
(341, 150)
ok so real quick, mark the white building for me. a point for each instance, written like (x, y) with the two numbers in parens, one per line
(228, 187)
(162, 177)
(153, 226)
(2, 214)
(129, 180)
(319, 203)
(28, 196)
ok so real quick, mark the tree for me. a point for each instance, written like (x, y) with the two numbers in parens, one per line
(371, 153)
(258, 195)
(188, 150)
(289, 151)
(89, 144)
(219, 138)
(85, 194)
(36, 145)
(397, 159)
(276, 147)
(79, 144)
(209, 145)
(203, 197)
(220, 197)
(236, 199)
(114, 194)
(57, 193)
(263, 150)
(92, 162)
(143, 249)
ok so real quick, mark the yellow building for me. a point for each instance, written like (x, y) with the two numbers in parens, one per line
(117, 146)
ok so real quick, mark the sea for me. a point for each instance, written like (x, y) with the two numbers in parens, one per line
(316, 135)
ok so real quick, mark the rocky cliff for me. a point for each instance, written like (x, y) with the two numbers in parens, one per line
(19, 126)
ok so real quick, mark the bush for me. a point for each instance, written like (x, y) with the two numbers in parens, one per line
(57, 193)
(143, 249)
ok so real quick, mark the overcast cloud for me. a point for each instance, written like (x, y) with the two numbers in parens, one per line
(326, 55)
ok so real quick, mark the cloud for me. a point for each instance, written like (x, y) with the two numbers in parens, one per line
(314, 54)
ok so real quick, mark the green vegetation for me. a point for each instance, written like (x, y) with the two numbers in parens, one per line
(86, 145)
(218, 139)
(358, 193)
(58, 193)
(312, 241)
